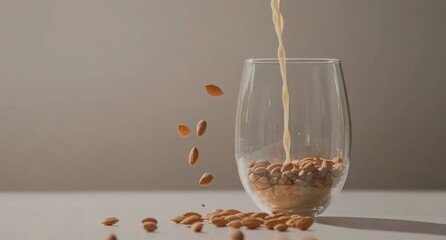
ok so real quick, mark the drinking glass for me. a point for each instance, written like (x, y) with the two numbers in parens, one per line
(319, 125)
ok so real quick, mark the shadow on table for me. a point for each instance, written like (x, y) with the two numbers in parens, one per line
(382, 224)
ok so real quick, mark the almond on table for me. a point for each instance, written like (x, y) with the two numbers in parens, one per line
(149, 226)
(183, 130)
(236, 235)
(281, 227)
(235, 224)
(197, 227)
(213, 90)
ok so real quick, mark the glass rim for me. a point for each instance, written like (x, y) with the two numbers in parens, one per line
(293, 60)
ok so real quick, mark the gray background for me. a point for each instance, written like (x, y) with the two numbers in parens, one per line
(91, 91)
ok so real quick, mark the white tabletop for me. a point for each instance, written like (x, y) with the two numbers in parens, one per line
(77, 215)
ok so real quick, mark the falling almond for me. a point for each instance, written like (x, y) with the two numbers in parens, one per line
(206, 179)
(109, 221)
(213, 90)
(201, 127)
(183, 130)
(193, 156)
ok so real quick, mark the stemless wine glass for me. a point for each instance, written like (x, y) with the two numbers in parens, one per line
(319, 123)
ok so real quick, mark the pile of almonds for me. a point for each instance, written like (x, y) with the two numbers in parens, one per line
(308, 172)
(299, 184)
(278, 221)
(184, 131)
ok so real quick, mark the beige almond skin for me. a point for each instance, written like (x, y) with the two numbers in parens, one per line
(109, 221)
(213, 90)
(201, 127)
(183, 130)
(150, 226)
(197, 227)
(206, 179)
(193, 156)
(149, 219)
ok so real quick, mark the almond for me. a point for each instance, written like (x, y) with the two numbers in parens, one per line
(219, 222)
(323, 169)
(278, 213)
(252, 223)
(290, 222)
(112, 237)
(303, 223)
(213, 90)
(178, 219)
(287, 167)
(149, 219)
(233, 217)
(188, 214)
(274, 165)
(284, 218)
(264, 163)
(213, 213)
(150, 226)
(193, 156)
(281, 227)
(246, 214)
(183, 130)
(197, 227)
(236, 235)
(201, 127)
(260, 215)
(260, 170)
(226, 213)
(191, 220)
(269, 224)
(206, 179)
(110, 221)
(235, 224)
